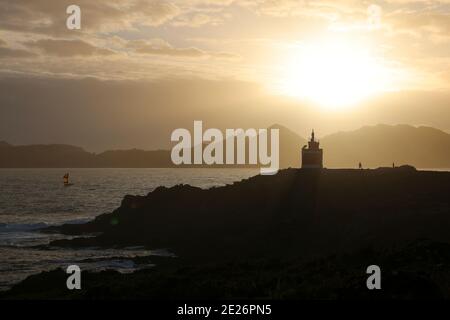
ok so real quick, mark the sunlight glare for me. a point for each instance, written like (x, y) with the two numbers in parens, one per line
(334, 75)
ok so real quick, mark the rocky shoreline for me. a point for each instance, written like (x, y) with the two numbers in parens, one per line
(305, 210)
(419, 270)
(297, 234)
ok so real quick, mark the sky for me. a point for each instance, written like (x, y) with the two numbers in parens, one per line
(138, 69)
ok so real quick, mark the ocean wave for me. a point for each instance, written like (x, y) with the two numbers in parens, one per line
(15, 227)
(34, 226)
(76, 221)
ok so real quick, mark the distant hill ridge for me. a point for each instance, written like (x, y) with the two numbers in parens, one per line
(373, 146)
(423, 147)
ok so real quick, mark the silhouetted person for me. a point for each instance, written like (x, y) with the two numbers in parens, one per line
(393, 165)
(360, 165)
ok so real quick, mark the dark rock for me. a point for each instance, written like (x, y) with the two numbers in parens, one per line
(419, 270)
(308, 212)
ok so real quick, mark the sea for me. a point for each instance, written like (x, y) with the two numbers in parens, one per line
(31, 199)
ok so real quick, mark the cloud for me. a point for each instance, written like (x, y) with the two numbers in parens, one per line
(8, 53)
(49, 16)
(327, 9)
(412, 33)
(161, 47)
(13, 53)
(68, 48)
(153, 13)
(428, 21)
(197, 20)
(278, 7)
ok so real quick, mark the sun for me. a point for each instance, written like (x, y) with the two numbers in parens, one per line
(333, 74)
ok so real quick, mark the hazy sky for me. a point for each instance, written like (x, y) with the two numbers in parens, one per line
(138, 69)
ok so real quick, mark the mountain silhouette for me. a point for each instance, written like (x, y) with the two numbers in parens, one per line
(290, 146)
(381, 145)
(373, 146)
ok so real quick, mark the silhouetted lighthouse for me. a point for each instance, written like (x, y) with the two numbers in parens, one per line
(312, 156)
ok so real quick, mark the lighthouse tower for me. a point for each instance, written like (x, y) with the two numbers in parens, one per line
(312, 155)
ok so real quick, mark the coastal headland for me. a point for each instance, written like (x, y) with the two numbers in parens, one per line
(294, 227)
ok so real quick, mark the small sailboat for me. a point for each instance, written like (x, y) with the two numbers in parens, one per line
(66, 180)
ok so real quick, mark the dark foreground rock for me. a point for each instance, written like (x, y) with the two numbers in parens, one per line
(296, 212)
(419, 270)
(300, 234)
